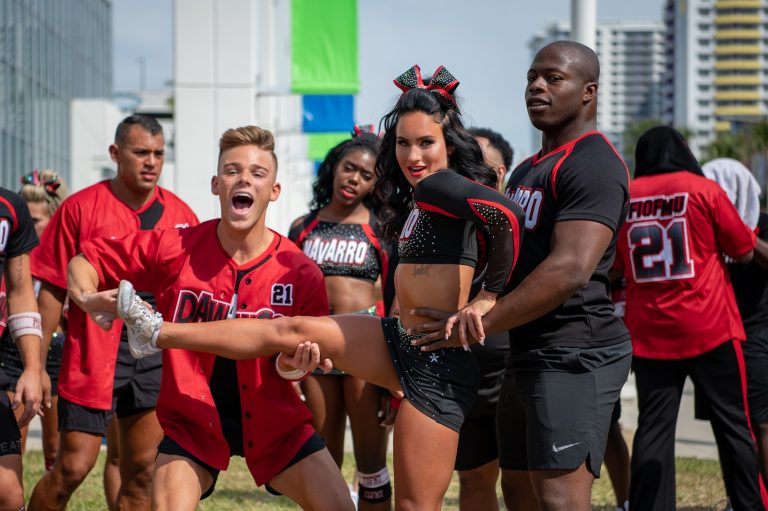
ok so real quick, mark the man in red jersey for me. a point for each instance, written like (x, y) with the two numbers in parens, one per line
(569, 353)
(683, 317)
(98, 376)
(211, 407)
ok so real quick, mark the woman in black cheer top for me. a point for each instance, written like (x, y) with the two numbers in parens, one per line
(340, 234)
(433, 191)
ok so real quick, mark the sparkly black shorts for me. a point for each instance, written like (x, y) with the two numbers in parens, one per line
(441, 384)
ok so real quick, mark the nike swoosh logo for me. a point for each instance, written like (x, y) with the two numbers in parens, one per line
(557, 449)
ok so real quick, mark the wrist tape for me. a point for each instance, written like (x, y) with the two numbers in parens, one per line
(293, 375)
(25, 323)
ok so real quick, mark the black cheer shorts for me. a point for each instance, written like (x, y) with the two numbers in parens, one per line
(441, 384)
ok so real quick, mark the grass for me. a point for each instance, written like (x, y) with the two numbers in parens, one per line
(699, 488)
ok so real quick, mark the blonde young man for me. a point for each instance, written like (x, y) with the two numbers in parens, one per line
(211, 407)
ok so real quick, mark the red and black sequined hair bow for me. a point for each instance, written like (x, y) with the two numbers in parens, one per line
(442, 84)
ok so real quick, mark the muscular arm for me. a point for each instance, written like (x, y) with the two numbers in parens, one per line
(577, 247)
(50, 302)
(82, 287)
(761, 253)
(21, 298)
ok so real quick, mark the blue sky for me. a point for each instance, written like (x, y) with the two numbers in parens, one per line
(482, 42)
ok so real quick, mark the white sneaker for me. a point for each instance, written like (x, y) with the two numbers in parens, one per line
(143, 325)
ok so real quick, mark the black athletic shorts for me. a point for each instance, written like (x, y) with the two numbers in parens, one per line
(477, 439)
(10, 436)
(127, 401)
(11, 364)
(441, 384)
(169, 446)
(556, 405)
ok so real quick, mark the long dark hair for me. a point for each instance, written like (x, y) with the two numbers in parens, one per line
(322, 189)
(392, 192)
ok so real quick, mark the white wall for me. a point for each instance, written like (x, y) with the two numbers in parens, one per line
(92, 130)
(232, 68)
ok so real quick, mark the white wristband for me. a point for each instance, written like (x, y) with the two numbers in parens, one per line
(293, 375)
(25, 323)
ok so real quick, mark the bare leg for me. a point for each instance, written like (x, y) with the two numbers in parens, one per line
(11, 492)
(477, 487)
(315, 484)
(422, 446)
(617, 463)
(112, 466)
(369, 437)
(354, 342)
(51, 433)
(77, 455)
(140, 435)
(178, 483)
(518, 491)
(563, 490)
(325, 399)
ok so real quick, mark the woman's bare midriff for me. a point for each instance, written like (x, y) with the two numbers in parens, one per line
(437, 286)
(347, 295)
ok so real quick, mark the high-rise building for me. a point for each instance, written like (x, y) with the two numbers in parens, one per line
(50, 53)
(632, 64)
(717, 67)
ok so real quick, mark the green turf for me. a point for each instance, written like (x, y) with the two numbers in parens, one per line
(699, 487)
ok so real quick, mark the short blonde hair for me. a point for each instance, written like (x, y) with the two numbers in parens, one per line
(44, 186)
(248, 135)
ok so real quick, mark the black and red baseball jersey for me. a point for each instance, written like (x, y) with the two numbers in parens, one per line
(584, 179)
(88, 364)
(680, 303)
(17, 237)
(195, 280)
(346, 250)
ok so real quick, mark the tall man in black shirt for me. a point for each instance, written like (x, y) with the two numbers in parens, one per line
(570, 354)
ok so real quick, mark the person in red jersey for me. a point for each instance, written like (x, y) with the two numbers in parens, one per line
(212, 407)
(434, 191)
(570, 355)
(98, 377)
(17, 239)
(683, 317)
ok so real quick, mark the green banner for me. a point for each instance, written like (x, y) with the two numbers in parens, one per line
(324, 47)
(318, 144)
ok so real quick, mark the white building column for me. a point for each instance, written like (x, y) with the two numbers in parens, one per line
(584, 21)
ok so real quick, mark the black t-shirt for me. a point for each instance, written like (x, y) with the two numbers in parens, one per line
(584, 179)
(750, 285)
(17, 237)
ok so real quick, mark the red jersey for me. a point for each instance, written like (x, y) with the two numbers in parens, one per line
(680, 302)
(193, 280)
(88, 363)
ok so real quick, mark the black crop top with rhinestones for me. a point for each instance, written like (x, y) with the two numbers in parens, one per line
(441, 227)
(347, 250)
